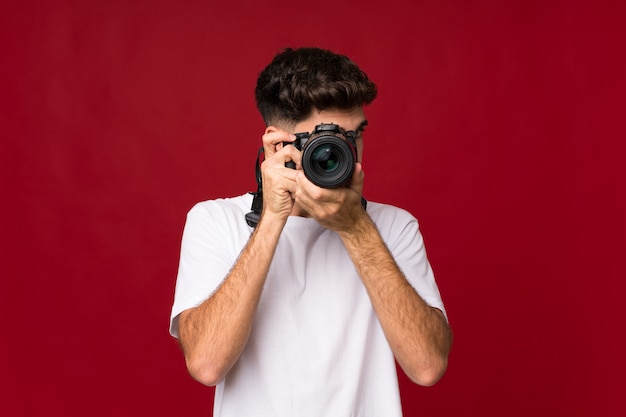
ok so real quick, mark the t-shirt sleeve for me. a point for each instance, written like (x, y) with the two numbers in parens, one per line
(406, 244)
(205, 259)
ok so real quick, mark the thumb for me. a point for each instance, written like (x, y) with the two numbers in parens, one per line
(357, 178)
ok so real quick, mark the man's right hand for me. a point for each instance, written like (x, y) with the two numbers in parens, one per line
(279, 182)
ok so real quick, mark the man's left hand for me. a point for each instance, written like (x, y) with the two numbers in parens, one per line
(334, 208)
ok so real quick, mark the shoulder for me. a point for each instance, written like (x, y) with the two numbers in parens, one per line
(394, 224)
(223, 213)
(222, 207)
(387, 215)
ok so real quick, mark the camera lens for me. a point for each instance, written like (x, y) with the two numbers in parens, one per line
(328, 161)
(325, 158)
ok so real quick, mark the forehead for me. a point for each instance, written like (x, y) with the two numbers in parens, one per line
(352, 119)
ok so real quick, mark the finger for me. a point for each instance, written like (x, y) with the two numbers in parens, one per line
(280, 159)
(279, 183)
(303, 191)
(313, 193)
(292, 154)
(287, 154)
(358, 177)
(273, 139)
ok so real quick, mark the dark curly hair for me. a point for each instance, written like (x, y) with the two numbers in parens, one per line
(300, 80)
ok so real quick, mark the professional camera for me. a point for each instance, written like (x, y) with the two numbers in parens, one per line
(328, 160)
(328, 155)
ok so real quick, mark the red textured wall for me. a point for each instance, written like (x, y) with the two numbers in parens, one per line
(499, 124)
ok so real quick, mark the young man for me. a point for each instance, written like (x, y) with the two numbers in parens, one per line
(303, 313)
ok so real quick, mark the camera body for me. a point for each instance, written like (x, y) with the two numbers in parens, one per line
(328, 155)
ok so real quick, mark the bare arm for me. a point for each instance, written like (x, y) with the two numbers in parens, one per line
(418, 334)
(214, 334)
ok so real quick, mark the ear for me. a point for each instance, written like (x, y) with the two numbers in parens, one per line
(271, 129)
(273, 138)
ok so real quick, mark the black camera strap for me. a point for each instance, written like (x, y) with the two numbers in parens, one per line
(253, 217)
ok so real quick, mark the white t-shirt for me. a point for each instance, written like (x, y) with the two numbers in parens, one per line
(316, 347)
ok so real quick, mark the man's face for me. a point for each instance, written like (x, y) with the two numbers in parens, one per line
(353, 119)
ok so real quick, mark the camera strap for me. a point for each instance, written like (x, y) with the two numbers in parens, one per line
(253, 217)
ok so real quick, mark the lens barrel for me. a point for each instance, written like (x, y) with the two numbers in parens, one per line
(328, 161)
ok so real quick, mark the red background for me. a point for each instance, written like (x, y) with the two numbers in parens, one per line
(500, 125)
